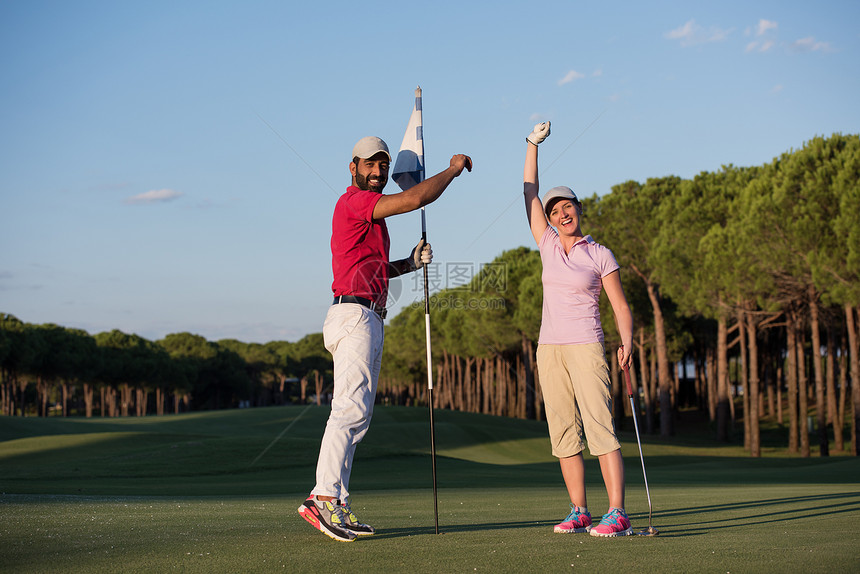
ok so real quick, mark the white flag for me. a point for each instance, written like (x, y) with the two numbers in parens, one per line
(409, 167)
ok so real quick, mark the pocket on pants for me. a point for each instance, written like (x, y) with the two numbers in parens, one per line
(340, 321)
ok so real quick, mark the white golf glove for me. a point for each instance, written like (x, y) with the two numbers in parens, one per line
(421, 255)
(539, 134)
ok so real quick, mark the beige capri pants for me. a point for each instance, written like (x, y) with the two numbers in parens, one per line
(574, 380)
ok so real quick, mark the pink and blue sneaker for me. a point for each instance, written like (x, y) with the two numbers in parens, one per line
(579, 520)
(613, 523)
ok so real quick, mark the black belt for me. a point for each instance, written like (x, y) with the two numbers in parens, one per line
(381, 311)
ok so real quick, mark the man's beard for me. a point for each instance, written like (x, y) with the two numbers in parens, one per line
(362, 183)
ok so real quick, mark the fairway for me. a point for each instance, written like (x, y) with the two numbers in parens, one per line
(218, 492)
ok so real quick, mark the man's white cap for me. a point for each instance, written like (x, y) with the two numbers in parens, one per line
(560, 192)
(369, 147)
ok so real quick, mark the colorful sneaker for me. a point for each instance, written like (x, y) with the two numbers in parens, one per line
(327, 517)
(613, 523)
(576, 521)
(351, 521)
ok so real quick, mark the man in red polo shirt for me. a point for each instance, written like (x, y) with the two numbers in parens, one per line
(353, 331)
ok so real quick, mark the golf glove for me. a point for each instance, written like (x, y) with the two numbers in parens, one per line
(421, 255)
(539, 134)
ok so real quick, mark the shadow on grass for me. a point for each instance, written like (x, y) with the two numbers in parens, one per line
(796, 508)
(452, 528)
(770, 511)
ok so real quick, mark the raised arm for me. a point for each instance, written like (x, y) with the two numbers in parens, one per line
(423, 193)
(534, 209)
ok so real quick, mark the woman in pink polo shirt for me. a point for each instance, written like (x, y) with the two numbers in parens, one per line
(574, 375)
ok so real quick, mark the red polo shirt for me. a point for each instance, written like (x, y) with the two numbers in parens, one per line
(359, 247)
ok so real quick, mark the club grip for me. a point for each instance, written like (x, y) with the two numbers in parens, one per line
(627, 380)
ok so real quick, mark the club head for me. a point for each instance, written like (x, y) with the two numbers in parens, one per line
(650, 531)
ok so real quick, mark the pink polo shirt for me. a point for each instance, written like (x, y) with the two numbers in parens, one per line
(571, 289)
(359, 247)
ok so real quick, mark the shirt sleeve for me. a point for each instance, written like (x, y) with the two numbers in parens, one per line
(547, 237)
(361, 204)
(608, 264)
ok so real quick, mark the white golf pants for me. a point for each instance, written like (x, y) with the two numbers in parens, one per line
(354, 336)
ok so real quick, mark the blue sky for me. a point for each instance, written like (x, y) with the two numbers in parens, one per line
(173, 166)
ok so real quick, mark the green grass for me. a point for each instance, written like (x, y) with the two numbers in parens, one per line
(218, 491)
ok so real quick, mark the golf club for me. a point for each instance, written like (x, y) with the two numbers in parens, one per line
(651, 531)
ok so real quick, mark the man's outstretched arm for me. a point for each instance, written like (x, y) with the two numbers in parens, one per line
(423, 193)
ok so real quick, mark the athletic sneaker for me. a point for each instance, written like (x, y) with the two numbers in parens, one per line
(576, 521)
(613, 523)
(327, 517)
(351, 521)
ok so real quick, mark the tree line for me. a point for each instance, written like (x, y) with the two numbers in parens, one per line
(46, 368)
(744, 284)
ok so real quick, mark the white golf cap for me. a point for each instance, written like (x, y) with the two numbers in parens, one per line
(560, 192)
(369, 147)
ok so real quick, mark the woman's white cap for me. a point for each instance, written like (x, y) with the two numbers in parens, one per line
(560, 192)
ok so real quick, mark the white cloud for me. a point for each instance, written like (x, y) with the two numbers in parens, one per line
(764, 26)
(688, 30)
(154, 196)
(597, 73)
(570, 76)
(691, 34)
(809, 44)
(756, 46)
(717, 34)
(776, 89)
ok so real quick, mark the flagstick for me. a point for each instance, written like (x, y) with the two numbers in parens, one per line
(430, 374)
(409, 170)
